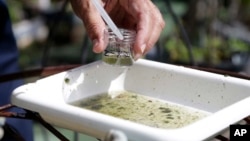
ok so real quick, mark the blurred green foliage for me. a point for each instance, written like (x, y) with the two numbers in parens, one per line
(15, 10)
(207, 47)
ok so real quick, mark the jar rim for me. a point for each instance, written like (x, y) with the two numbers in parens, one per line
(129, 35)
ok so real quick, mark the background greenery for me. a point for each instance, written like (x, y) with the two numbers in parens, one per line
(203, 21)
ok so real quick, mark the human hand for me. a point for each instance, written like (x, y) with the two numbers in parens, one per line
(139, 15)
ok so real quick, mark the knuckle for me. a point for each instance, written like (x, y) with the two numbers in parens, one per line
(159, 21)
(149, 45)
(92, 28)
(162, 24)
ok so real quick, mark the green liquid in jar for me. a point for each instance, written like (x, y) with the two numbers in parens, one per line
(120, 61)
(142, 109)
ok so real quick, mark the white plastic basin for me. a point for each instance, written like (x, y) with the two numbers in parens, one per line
(227, 99)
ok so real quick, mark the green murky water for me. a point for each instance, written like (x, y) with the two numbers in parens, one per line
(142, 109)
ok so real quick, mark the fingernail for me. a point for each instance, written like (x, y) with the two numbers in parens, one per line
(137, 56)
(95, 45)
(143, 47)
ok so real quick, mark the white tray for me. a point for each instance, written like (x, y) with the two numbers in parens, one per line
(226, 98)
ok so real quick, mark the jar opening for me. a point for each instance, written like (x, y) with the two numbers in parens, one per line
(119, 52)
(128, 35)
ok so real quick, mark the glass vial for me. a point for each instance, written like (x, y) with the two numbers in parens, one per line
(119, 52)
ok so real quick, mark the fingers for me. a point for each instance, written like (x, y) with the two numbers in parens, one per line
(141, 15)
(142, 35)
(157, 26)
(93, 23)
(149, 24)
(148, 30)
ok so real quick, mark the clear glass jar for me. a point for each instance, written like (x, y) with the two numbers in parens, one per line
(119, 52)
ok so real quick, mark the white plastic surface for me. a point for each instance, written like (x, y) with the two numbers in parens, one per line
(2, 121)
(226, 98)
